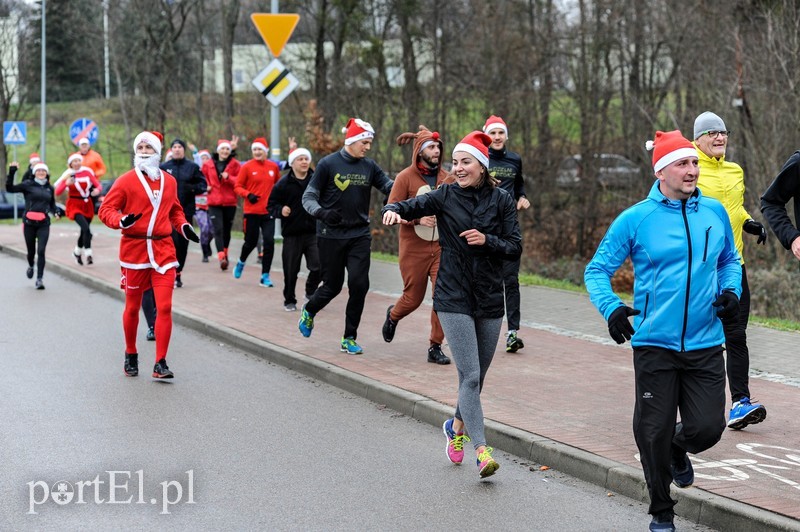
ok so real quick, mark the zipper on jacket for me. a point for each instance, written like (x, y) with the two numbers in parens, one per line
(646, 303)
(705, 249)
(688, 277)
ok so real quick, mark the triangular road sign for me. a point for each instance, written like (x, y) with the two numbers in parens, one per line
(275, 29)
(14, 135)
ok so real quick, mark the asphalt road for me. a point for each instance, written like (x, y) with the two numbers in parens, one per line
(233, 442)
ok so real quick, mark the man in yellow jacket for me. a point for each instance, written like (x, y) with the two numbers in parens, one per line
(724, 181)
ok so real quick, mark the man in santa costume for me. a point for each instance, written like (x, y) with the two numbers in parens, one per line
(144, 204)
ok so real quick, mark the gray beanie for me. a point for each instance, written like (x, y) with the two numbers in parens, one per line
(706, 122)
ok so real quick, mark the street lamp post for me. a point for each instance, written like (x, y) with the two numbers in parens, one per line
(43, 120)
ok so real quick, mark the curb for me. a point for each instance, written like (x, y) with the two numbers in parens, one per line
(694, 504)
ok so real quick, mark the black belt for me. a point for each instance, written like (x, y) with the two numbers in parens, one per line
(146, 237)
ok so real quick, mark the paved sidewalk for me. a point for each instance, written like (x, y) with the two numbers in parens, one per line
(566, 400)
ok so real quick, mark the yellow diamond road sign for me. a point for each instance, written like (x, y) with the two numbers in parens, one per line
(275, 82)
(275, 29)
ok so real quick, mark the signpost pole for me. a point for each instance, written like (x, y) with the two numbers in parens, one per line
(14, 196)
(43, 121)
(275, 116)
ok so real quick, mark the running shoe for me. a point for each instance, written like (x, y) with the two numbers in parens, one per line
(290, 307)
(161, 371)
(486, 464)
(131, 367)
(681, 468)
(306, 323)
(39, 284)
(223, 260)
(389, 326)
(265, 281)
(29, 272)
(662, 522)
(238, 269)
(77, 256)
(89, 260)
(151, 334)
(455, 442)
(350, 346)
(178, 281)
(513, 343)
(744, 413)
(436, 356)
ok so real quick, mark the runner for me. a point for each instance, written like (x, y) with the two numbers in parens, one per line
(81, 185)
(221, 172)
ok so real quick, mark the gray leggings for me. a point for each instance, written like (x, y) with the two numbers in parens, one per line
(472, 343)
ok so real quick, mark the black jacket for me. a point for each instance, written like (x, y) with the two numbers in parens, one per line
(289, 191)
(191, 182)
(786, 186)
(38, 198)
(506, 167)
(470, 278)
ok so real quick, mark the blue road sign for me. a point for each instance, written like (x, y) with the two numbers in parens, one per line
(83, 127)
(15, 132)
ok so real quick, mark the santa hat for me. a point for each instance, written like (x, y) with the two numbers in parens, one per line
(73, 157)
(153, 138)
(221, 143)
(203, 153)
(34, 158)
(83, 140)
(669, 147)
(260, 142)
(476, 144)
(298, 152)
(355, 130)
(40, 166)
(495, 122)
(435, 139)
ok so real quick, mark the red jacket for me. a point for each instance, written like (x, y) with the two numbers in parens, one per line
(134, 193)
(257, 177)
(221, 191)
(79, 200)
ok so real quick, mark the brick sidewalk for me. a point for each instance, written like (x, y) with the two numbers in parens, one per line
(564, 388)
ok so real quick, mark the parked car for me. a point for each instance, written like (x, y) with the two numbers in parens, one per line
(7, 205)
(611, 170)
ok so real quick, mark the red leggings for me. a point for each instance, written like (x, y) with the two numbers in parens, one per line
(163, 285)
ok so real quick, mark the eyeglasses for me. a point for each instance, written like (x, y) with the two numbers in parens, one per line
(715, 134)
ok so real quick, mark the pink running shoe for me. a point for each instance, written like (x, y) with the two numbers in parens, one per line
(486, 464)
(455, 442)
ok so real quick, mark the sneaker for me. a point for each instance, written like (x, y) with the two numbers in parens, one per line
(77, 257)
(39, 284)
(662, 522)
(223, 260)
(205, 258)
(151, 334)
(89, 260)
(306, 323)
(290, 307)
(265, 281)
(29, 272)
(350, 346)
(486, 464)
(238, 269)
(178, 282)
(744, 413)
(455, 442)
(389, 326)
(436, 356)
(161, 371)
(681, 468)
(131, 367)
(513, 344)
(260, 258)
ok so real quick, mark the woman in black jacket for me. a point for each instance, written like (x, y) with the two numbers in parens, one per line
(478, 230)
(39, 201)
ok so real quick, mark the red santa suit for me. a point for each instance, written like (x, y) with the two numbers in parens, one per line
(79, 200)
(146, 244)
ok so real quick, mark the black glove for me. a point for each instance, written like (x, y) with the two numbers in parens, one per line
(330, 216)
(619, 327)
(253, 198)
(755, 228)
(729, 306)
(189, 234)
(129, 220)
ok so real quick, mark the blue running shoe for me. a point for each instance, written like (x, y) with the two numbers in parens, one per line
(744, 413)
(350, 346)
(306, 323)
(265, 280)
(238, 269)
(681, 468)
(662, 522)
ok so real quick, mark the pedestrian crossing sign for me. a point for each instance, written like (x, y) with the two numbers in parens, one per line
(14, 133)
(275, 82)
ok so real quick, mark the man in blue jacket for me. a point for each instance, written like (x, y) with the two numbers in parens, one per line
(687, 281)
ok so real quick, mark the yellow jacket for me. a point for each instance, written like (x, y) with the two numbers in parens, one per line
(724, 181)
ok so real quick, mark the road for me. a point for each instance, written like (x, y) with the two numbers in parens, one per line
(251, 444)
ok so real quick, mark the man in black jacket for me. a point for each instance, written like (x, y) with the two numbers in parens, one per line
(785, 187)
(191, 182)
(299, 229)
(338, 195)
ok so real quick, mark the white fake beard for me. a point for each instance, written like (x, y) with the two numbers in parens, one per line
(148, 164)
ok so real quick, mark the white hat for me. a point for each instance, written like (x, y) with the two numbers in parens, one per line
(73, 157)
(298, 152)
(40, 166)
(153, 138)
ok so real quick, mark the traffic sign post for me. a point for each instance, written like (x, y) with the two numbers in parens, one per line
(84, 127)
(14, 134)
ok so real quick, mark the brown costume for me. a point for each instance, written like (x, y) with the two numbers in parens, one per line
(419, 245)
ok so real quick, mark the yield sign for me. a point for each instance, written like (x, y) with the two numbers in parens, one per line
(275, 29)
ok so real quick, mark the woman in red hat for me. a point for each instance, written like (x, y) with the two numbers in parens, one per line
(221, 172)
(81, 185)
(478, 230)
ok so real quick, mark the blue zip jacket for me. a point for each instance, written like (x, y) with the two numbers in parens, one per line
(683, 257)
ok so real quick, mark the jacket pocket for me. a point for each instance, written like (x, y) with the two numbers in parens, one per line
(646, 305)
(705, 249)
